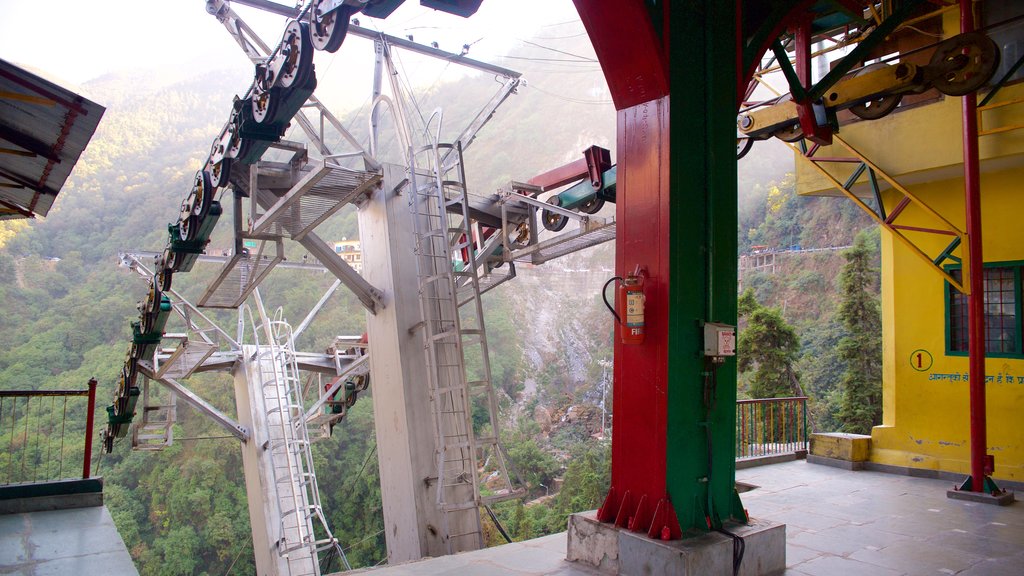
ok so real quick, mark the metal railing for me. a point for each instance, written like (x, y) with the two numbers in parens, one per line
(769, 426)
(38, 434)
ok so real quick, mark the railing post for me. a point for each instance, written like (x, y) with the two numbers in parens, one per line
(803, 404)
(89, 423)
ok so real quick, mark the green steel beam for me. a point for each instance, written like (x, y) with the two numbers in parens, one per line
(702, 276)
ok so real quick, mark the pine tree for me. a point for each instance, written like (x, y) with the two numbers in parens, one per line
(860, 404)
(768, 345)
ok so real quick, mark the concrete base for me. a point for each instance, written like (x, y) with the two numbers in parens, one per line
(1003, 499)
(615, 550)
(54, 495)
(835, 462)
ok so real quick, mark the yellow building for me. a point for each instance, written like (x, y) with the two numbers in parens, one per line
(351, 251)
(925, 389)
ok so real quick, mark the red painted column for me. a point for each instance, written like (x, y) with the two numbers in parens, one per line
(89, 425)
(635, 64)
(641, 375)
(976, 299)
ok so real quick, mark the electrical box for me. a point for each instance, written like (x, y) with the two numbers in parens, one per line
(719, 340)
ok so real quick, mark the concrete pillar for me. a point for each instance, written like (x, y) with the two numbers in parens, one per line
(258, 464)
(414, 526)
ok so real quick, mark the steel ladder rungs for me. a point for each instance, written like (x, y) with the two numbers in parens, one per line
(455, 508)
(458, 445)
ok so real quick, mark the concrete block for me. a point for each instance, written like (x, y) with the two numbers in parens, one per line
(1002, 499)
(614, 550)
(849, 447)
(709, 554)
(593, 542)
(764, 547)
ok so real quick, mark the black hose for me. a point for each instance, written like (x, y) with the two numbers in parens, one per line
(738, 548)
(604, 296)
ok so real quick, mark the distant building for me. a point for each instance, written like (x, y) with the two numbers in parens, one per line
(351, 251)
(925, 422)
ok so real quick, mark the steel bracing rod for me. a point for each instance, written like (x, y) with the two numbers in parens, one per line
(131, 260)
(409, 45)
(397, 104)
(258, 51)
(370, 297)
(468, 135)
(316, 309)
(886, 223)
(141, 254)
(350, 370)
(234, 428)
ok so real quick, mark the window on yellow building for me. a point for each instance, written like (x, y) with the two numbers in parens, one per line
(1002, 288)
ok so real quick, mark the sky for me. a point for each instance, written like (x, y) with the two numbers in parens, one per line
(75, 41)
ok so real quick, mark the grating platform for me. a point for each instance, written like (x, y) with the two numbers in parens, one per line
(242, 273)
(487, 281)
(594, 234)
(189, 355)
(313, 199)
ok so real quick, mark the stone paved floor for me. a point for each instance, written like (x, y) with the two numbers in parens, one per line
(871, 523)
(838, 523)
(79, 541)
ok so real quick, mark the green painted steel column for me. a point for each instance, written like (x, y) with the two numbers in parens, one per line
(702, 287)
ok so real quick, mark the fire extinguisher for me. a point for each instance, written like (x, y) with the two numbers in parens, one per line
(629, 307)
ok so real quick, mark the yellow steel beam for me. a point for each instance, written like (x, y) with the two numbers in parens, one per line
(952, 229)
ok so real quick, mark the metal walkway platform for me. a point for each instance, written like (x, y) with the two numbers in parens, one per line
(590, 234)
(319, 194)
(242, 273)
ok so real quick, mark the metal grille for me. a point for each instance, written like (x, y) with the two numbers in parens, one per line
(313, 199)
(239, 277)
(566, 244)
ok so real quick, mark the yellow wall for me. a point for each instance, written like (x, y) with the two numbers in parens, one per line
(926, 420)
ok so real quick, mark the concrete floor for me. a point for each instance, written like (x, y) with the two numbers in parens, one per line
(838, 523)
(80, 541)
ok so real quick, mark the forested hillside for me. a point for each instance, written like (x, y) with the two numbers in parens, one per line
(183, 510)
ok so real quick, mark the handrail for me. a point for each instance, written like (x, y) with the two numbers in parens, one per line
(37, 444)
(771, 426)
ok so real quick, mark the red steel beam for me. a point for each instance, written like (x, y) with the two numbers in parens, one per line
(632, 54)
(976, 299)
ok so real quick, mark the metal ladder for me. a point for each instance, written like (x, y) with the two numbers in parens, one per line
(293, 484)
(455, 341)
(155, 431)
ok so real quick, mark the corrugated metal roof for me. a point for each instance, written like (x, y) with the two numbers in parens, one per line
(43, 130)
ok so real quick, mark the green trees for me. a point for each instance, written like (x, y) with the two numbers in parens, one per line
(769, 347)
(860, 390)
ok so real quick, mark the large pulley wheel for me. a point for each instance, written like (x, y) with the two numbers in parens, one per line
(967, 62)
(202, 192)
(519, 236)
(743, 145)
(553, 221)
(265, 103)
(792, 133)
(592, 206)
(219, 173)
(188, 227)
(879, 107)
(293, 64)
(149, 309)
(327, 31)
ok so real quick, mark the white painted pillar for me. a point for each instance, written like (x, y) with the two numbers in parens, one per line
(406, 445)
